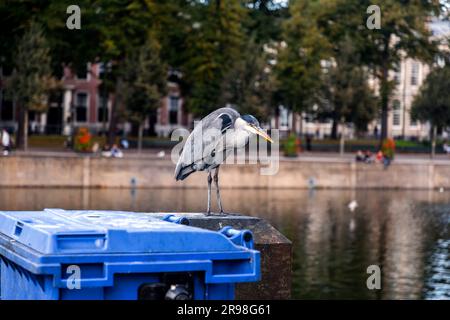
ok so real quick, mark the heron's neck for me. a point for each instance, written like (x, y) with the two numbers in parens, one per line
(241, 138)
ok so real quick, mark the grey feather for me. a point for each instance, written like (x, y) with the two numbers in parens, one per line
(197, 156)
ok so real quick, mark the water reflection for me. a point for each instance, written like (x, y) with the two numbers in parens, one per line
(404, 232)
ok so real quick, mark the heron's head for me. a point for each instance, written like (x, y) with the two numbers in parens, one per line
(249, 123)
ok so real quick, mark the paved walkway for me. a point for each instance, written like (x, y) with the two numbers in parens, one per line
(304, 156)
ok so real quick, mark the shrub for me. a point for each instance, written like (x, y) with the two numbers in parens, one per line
(291, 146)
(83, 140)
(388, 148)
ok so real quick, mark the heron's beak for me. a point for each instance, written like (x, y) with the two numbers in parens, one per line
(261, 133)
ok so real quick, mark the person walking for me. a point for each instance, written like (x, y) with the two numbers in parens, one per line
(6, 142)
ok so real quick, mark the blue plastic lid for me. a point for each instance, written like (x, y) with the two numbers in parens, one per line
(56, 231)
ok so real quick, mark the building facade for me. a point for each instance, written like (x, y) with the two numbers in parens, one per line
(81, 102)
(172, 114)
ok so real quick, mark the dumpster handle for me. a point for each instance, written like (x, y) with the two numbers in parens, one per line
(240, 237)
(178, 220)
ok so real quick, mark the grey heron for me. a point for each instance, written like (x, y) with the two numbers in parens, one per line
(214, 138)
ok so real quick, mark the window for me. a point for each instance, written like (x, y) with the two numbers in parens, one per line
(102, 110)
(415, 74)
(173, 109)
(101, 70)
(81, 105)
(397, 75)
(284, 120)
(396, 113)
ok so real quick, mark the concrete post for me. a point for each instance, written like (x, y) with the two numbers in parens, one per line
(275, 248)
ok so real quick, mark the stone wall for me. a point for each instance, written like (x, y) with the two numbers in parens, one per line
(152, 172)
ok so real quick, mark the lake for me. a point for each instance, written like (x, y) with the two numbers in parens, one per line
(406, 233)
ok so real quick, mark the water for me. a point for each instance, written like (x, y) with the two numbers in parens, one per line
(406, 233)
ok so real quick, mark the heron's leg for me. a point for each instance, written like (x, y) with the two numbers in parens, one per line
(208, 211)
(216, 181)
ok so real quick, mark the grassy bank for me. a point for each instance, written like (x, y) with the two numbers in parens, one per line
(56, 142)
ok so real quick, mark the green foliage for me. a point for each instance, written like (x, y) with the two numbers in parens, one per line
(31, 78)
(433, 101)
(213, 43)
(74, 47)
(144, 80)
(265, 19)
(388, 148)
(403, 33)
(290, 147)
(83, 140)
(250, 83)
(346, 94)
(217, 46)
(299, 68)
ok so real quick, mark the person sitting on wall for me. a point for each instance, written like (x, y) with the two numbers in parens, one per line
(379, 157)
(106, 151)
(386, 161)
(446, 147)
(116, 152)
(368, 158)
(359, 156)
(124, 143)
(95, 148)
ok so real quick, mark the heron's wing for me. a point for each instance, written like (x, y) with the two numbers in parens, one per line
(203, 139)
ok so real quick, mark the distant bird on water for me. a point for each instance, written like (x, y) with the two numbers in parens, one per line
(219, 133)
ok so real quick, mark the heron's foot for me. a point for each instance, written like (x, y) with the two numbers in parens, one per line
(216, 214)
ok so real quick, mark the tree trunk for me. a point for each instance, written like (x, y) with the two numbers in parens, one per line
(342, 141)
(384, 90)
(384, 104)
(294, 123)
(105, 98)
(433, 141)
(114, 109)
(151, 123)
(22, 130)
(140, 134)
(334, 128)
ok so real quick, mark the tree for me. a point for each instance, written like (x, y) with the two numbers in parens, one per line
(265, 19)
(74, 48)
(31, 78)
(144, 82)
(213, 43)
(250, 83)
(174, 21)
(346, 95)
(205, 40)
(125, 26)
(433, 102)
(403, 33)
(108, 30)
(299, 63)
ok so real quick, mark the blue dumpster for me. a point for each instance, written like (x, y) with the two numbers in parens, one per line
(57, 254)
